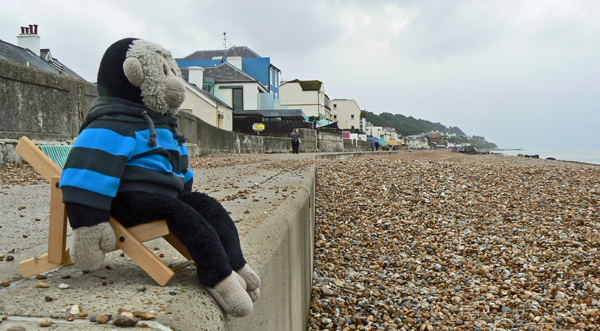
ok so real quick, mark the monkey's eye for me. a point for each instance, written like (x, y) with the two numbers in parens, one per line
(166, 71)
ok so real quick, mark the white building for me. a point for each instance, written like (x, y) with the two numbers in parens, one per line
(204, 105)
(417, 142)
(390, 133)
(375, 131)
(230, 84)
(308, 95)
(347, 114)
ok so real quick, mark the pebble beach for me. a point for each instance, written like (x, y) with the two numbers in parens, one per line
(436, 240)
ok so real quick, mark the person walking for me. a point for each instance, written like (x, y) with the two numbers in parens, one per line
(295, 135)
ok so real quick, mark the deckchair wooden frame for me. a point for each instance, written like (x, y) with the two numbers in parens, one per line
(129, 240)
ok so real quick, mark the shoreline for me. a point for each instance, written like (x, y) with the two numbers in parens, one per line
(589, 156)
(506, 149)
(448, 155)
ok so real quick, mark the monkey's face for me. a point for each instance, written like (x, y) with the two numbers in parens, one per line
(174, 88)
(152, 68)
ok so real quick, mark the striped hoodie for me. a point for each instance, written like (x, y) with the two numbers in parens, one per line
(124, 146)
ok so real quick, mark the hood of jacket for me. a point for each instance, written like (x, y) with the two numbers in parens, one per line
(118, 109)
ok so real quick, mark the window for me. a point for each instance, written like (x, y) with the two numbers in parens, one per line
(352, 116)
(334, 116)
(210, 88)
(334, 105)
(237, 99)
(352, 127)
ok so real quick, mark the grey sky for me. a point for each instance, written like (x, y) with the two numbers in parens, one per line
(522, 73)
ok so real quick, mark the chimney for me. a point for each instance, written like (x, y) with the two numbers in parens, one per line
(196, 76)
(29, 38)
(236, 61)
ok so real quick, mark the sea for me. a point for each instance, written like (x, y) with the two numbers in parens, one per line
(586, 156)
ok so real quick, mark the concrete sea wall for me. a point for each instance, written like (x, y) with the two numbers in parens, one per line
(276, 234)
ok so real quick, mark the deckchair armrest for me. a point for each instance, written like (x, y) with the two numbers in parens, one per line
(37, 159)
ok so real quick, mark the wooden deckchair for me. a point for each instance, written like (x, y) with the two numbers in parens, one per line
(129, 240)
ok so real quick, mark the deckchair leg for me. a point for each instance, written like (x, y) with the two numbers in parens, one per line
(58, 254)
(134, 248)
(57, 232)
(36, 265)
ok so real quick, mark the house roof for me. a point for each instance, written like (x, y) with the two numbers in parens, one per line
(307, 85)
(241, 51)
(47, 56)
(45, 61)
(227, 73)
(223, 73)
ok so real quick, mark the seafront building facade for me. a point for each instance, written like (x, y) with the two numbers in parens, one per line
(347, 114)
(417, 142)
(308, 95)
(259, 68)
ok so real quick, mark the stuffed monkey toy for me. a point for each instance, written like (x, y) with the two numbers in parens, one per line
(130, 162)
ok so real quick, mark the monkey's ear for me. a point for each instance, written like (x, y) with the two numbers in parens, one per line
(133, 71)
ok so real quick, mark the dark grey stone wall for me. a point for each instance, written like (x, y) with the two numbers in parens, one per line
(40, 104)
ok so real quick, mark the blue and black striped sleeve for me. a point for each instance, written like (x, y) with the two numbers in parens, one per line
(95, 165)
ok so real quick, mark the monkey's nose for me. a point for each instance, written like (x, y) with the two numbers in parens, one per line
(175, 93)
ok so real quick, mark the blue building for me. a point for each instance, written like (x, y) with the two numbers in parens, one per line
(246, 60)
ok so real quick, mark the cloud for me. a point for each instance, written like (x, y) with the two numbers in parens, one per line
(288, 28)
(509, 70)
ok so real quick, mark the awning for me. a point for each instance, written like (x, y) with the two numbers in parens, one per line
(323, 124)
